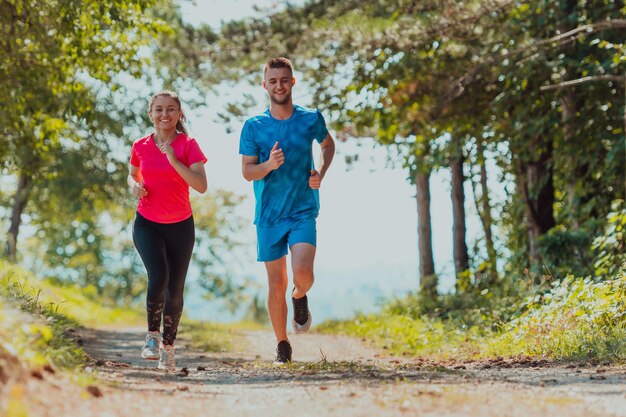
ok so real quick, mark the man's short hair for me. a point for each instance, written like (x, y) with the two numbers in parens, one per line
(280, 62)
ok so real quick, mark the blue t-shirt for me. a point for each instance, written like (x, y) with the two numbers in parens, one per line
(284, 194)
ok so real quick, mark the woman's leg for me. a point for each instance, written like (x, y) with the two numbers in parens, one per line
(179, 247)
(151, 247)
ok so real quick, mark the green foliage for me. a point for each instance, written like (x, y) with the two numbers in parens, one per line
(578, 319)
(51, 54)
(609, 247)
(403, 335)
(42, 339)
(216, 258)
(84, 305)
(563, 251)
(486, 308)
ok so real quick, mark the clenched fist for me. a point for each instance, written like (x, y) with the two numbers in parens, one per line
(277, 157)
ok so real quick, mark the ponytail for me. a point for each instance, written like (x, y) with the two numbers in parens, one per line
(180, 125)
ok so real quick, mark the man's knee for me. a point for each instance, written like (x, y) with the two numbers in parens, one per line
(277, 283)
(302, 271)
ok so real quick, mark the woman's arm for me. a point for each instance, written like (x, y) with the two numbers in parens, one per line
(135, 181)
(194, 175)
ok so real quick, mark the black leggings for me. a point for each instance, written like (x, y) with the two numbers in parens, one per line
(166, 251)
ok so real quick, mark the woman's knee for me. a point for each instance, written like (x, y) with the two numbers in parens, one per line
(157, 285)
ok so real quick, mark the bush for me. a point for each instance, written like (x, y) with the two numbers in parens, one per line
(579, 319)
(610, 254)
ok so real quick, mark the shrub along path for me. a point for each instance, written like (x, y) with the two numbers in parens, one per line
(330, 376)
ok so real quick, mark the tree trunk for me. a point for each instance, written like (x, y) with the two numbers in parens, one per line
(536, 185)
(484, 213)
(457, 194)
(22, 194)
(568, 112)
(428, 280)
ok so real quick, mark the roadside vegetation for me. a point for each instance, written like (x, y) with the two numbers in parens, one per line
(563, 318)
(39, 320)
(577, 319)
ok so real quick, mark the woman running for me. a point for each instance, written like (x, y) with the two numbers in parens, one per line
(163, 165)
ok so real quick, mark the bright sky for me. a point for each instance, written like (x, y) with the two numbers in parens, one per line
(367, 228)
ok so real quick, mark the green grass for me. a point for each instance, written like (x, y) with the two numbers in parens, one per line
(33, 330)
(576, 320)
(404, 335)
(79, 304)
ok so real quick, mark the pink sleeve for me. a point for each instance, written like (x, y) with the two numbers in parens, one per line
(134, 158)
(194, 153)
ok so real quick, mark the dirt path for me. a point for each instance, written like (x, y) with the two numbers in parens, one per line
(331, 376)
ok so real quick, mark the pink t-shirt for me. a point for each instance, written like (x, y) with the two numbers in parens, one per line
(168, 193)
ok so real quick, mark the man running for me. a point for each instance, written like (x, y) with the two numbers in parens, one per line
(276, 149)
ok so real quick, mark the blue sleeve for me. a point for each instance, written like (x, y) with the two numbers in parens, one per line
(320, 128)
(247, 143)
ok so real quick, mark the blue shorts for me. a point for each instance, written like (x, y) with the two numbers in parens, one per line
(273, 241)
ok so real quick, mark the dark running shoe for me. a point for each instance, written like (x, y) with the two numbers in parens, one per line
(283, 353)
(301, 315)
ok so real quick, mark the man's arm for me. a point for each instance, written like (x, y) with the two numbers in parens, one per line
(253, 171)
(326, 157)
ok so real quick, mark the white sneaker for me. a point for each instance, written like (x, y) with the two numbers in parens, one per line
(167, 361)
(151, 349)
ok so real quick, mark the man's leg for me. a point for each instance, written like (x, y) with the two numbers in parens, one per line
(276, 303)
(302, 243)
(302, 257)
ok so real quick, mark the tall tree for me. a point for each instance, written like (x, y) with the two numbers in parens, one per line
(457, 194)
(483, 208)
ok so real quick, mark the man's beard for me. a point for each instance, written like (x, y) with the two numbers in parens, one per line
(280, 102)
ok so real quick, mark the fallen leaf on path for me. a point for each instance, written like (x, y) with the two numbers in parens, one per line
(95, 391)
(118, 364)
